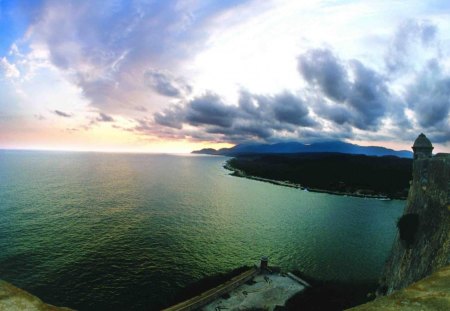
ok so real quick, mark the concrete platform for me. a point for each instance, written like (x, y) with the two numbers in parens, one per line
(266, 292)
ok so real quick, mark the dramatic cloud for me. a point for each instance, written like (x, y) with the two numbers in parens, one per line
(165, 84)
(341, 95)
(369, 96)
(348, 93)
(225, 71)
(170, 117)
(119, 52)
(429, 97)
(62, 114)
(362, 91)
(210, 110)
(255, 117)
(292, 110)
(338, 114)
(324, 70)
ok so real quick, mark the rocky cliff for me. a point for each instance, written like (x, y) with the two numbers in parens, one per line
(422, 245)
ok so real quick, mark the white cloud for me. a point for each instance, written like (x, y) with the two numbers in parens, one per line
(133, 60)
(10, 71)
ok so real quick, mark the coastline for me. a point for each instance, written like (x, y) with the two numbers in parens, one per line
(240, 173)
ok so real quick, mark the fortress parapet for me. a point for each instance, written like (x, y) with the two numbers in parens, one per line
(422, 245)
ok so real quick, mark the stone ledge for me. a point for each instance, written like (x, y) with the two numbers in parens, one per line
(431, 293)
(13, 298)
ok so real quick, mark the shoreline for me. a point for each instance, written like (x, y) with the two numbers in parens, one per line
(240, 173)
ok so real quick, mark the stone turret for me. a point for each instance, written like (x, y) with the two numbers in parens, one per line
(422, 245)
(422, 147)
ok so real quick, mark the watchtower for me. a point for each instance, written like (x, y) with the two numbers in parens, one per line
(422, 147)
(423, 243)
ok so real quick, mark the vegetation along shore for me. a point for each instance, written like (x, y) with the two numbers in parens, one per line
(382, 178)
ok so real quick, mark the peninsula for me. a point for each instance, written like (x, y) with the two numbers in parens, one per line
(385, 177)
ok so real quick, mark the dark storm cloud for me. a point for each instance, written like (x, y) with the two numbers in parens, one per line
(205, 110)
(359, 101)
(429, 96)
(210, 110)
(338, 114)
(369, 95)
(281, 112)
(440, 136)
(252, 129)
(165, 84)
(320, 67)
(341, 96)
(170, 117)
(290, 109)
(62, 114)
(255, 117)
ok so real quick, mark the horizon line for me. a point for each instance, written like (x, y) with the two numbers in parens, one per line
(93, 150)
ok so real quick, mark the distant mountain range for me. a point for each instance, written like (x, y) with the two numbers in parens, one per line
(296, 147)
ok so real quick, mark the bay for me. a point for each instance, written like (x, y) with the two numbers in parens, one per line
(99, 231)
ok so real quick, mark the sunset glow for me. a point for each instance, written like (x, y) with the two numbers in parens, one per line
(174, 76)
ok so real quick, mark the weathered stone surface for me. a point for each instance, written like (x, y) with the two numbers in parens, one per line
(431, 293)
(13, 298)
(426, 247)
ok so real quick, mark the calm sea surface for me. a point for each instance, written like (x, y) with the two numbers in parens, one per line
(125, 232)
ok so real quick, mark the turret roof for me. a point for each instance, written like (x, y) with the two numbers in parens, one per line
(422, 142)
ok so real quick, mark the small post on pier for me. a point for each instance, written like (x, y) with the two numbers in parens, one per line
(264, 263)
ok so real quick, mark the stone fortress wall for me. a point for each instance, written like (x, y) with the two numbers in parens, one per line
(422, 245)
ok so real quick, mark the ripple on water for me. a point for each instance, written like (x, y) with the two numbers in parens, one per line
(114, 231)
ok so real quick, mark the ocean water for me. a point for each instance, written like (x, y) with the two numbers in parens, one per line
(96, 231)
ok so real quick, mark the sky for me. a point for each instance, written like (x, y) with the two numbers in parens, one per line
(174, 76)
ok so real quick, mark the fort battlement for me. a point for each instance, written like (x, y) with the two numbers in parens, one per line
(422, 245)
(431, 180)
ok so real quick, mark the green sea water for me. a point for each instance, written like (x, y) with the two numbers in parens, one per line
(97, 231)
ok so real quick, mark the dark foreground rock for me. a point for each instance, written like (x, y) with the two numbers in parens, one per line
(429, 294)
(16, 299)
(331, 295)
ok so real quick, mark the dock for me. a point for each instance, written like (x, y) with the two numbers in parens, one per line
(204, 298)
